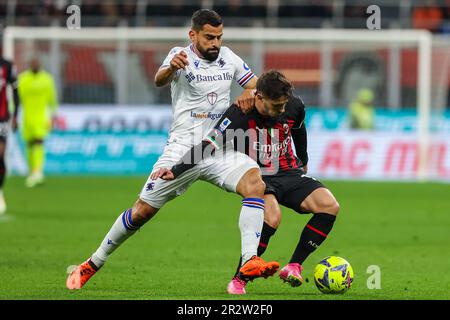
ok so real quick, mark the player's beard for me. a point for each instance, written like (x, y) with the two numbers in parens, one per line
(210, 54)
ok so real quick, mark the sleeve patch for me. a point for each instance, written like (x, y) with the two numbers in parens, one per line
(224, 124)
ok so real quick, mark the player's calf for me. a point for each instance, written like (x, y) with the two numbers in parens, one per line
(142, 212)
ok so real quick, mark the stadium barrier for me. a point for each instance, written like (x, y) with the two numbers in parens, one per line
(128, 141)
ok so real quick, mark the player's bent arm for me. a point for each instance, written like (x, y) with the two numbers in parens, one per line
(252, 83)
(164, 76)
(246, 101)
(300, 142)
(16, 101)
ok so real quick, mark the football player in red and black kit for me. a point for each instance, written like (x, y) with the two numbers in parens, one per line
(265, 134)
(7, 77)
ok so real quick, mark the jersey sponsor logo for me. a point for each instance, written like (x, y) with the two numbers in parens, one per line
(206, 115)
(225, 76)
(269, 149)
(190, 76)
(225, 123)
(212, 98)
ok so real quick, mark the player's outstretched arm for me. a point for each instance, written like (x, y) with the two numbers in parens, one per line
(215, 140)
(163, 173)
(192, 158)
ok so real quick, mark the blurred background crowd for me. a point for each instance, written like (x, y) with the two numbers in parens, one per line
(433, 15)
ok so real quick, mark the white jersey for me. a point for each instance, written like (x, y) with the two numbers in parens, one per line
(201, 92)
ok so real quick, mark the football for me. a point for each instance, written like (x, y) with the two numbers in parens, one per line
(333, 275)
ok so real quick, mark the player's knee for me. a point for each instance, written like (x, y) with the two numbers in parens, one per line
(255, 188)
(253, 185)
(273, 219)
(259, 187)
(142, 212)
(330, 206)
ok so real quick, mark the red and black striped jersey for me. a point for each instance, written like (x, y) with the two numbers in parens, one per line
(269, 141)
(266, 140)
(8, 76)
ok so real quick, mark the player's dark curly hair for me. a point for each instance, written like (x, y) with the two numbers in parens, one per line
(274, 85)
(205, 16)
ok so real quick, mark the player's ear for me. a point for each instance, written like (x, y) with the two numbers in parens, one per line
(192, 35)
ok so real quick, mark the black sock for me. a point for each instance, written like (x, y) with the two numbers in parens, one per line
(2, 171)
(266, 233)
(314, 233)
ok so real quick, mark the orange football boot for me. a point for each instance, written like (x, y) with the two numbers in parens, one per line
(257, 267)
(79, 275)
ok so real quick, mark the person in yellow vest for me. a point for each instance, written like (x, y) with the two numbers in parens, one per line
(362, 112)
(39, 103)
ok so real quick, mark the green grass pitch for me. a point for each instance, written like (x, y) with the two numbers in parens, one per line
(190, 249)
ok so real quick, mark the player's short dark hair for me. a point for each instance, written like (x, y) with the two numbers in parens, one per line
(205, 16)
(274, 85)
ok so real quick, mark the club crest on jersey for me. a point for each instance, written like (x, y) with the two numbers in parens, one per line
(221, 62)
(225, 123)
(212, 98)
(286, 128)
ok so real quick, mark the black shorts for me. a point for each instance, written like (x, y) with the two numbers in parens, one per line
(291, 188)
(4, 129)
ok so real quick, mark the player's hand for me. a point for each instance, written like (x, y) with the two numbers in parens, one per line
(305, 168)
(163, 173)
(14, 124)
(246, 101)
(179, 61)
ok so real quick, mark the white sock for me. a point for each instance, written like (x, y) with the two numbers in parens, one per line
(120, 231)
(251, 222)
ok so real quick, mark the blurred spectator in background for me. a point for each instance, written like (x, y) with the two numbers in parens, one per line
(362, 112)
(38, 97)
(110, 13)
(310, 13)
(428, 16)
(171, 13)
(242, 13)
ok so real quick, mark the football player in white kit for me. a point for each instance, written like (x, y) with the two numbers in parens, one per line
(201, 76)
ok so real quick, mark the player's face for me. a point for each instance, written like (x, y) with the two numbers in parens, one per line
(273, 108)
(208, 41)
